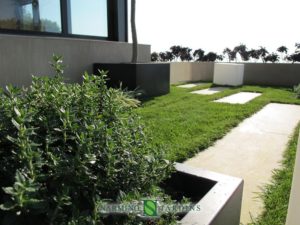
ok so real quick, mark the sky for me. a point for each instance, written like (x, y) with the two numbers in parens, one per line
(216, 24)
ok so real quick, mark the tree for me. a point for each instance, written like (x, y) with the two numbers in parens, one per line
(220, 57)
(185, 54)
(166, 56)
(282, 49)
(176, 49)
(230, 54)
(242, 50)
(227, 51)
(134, 33)
(254, 54)
(297, 45)
(198, 54)
(262, 51)
(271, 58)
(170, 56)
(154, 57)
(295, 57)
(210, 57)
(163, 57)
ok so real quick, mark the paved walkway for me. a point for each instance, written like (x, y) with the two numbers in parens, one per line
(210, 91)
(190, 85)
(251, 151)
(239, 98)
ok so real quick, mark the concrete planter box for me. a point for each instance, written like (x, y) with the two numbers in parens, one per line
(152, 79)
(229, 74)
(219, 196)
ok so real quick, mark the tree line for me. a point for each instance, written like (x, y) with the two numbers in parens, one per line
(179, 53)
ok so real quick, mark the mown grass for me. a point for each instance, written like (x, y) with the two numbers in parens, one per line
(187, 123)
(275, 195)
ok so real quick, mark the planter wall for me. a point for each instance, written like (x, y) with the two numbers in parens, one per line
(264, 74)
(293, 216)
(22, 56)
(228, 74)
(191, 71)
(219, 196)
(152, 79)
(267, 74)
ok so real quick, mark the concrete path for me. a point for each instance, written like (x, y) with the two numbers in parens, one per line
(209, 91)
(239, 98)
(190, 85)
(251, 151)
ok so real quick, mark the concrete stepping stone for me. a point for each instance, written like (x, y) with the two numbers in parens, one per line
(190, 85)
(251, 151)
(239, 98)
(209, 91)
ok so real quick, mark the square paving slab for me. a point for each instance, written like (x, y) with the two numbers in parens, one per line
(210, 91)
(190, 85)
(239, 98)
(252, 151)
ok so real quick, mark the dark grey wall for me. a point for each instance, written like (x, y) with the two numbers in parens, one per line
(22, 56)
(279, 74)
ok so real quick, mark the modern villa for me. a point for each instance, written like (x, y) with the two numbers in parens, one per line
(31, 31)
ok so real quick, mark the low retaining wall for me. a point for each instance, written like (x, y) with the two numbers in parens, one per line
(191, 71)
(293, 216)
(21, 56)
(267, 74)
(264, 74)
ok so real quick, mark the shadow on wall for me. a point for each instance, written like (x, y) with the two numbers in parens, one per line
(191, 71)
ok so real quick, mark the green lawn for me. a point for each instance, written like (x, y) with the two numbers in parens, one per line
(188, 123)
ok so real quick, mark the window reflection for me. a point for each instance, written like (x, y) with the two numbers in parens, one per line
(32, 15)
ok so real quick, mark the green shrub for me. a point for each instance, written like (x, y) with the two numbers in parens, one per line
(65, 148)
(297, 90)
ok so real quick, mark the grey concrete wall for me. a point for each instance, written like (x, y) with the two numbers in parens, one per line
(22, 56)
(221, 205)
(279, 74)
(191, 71)
(293, 215)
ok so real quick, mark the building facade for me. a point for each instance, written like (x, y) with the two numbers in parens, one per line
(83, 32)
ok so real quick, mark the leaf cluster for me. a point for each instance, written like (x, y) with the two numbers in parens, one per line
(65, 148)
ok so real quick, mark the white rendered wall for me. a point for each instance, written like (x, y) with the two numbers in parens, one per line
(229, 74)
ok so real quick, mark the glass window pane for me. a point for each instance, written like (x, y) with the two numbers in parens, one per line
(88, 17)
(34, 15)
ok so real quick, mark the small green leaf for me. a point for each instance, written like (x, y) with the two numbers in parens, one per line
(15, 123)
(13, 140)
(7, 206)
(17, 112)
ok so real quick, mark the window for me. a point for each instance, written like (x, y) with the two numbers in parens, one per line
(100, 19)
(31, 15)
(88, 17)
